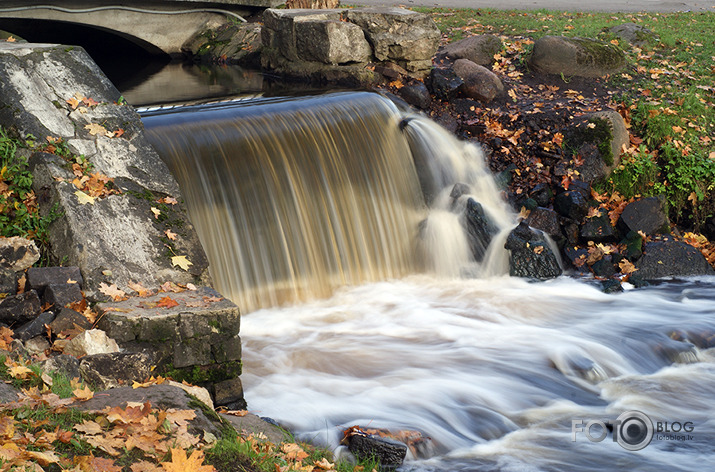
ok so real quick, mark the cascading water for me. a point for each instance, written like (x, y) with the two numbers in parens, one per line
(495, 370)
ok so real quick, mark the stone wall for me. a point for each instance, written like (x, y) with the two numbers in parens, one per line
(348, 46)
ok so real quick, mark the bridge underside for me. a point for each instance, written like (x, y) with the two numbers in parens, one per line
(155, 29)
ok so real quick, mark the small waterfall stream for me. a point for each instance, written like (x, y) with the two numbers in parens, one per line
(363, 305)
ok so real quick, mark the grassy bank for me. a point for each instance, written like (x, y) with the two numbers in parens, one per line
(666, 94)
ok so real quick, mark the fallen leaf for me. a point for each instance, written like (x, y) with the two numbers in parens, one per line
(10, 39)
(293, 452)
(140, 289)
(95, 129)
(113, 292)
(181, 463)
(170, 234)
(83, 394)
(156, 212)
(167, 302)
(182, 262)
(627, 267)
(84, 198)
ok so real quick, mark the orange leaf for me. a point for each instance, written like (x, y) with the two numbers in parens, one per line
(167, 302)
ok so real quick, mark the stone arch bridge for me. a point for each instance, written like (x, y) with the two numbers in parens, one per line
(156, 26)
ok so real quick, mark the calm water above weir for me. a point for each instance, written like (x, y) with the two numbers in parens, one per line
(362, 307)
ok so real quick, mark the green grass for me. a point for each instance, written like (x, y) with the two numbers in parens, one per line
(667, 89)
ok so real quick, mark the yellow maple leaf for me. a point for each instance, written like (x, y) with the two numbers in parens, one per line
(181, 463)
(182, 262)
(627, 267)
(84, 198)
(83, 394)
(95, 129)
(73, 102)
(19, 372)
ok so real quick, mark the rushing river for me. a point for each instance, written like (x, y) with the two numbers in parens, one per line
(362, 305)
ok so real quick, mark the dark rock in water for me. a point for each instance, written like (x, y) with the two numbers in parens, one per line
(571, 204)
(647, 215)
(634, 245)
(598, 228)
(545, 220)
(542, 194)
(611, 286)
(479, 229)
(35, 327)
(703, 339)
(676, 351)
(531, 255)
(62, 295)
(604, 267)
(576, 256)
(458, 190)
(388, 452)
(20, 309)
(671, 259)
(444, 83)
(416, 95)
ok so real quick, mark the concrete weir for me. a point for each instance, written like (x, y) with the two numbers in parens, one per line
(126, 238)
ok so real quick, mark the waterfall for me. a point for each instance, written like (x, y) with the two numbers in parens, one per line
(294, 197)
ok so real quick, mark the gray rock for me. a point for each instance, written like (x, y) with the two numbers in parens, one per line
(8, 281)
(635, 34)
(278, 33)
(671, 259)
(68, 319)
(104, 371)
(444, 83)
(38, 278)
(35, 327)
(331, 42)
(252, 424)
(530, 254)
(229, 393)
(37, 345)
(228, 44)
(576, 57)
(64, 364)
(90, 342)
(17, 254)
(647, 215)
(8, 393)
(479, 49)
(388, 452)
(161, 397)
(62, 295)
(479, 82)
(19, 309)
(406, 37)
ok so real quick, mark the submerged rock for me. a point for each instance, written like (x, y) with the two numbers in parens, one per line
(479, 229)
(531, 256)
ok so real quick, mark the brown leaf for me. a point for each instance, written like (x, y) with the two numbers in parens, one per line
(112, 291)
(627, 267)
(167, 302)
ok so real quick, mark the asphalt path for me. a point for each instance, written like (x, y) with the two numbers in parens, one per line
(563, 5)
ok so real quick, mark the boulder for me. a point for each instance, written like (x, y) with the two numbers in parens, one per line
(479, 49)
(331, 42)
(479, 82)
(444, 83)
(604, 267)
(68, 319)
(646, 215)
(162, 397)
(62, 295)
(37, 82)
(479, 229)
(598, 139)
(417, 95)
(398, 35)
(19, 309)
(635, 34)
(530, 254)
(576, 57)
(17, 254)
(542, 194)
(671, 259)
(227, 44)
(571, 204)
(93, 341)
(115, 369)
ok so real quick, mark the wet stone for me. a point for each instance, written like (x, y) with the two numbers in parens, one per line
(444, 83)
(479, 229)
(389, 453)
(571, 204)
(416, 95)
